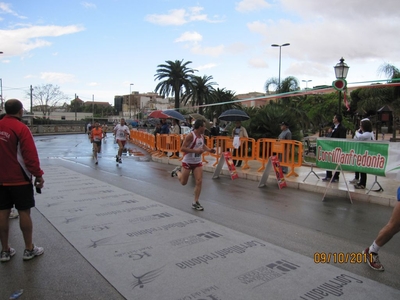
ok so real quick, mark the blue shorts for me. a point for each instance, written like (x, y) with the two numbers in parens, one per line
(19, 195)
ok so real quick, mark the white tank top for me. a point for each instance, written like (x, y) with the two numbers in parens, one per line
(194, 158)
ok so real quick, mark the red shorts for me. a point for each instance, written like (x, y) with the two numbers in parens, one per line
(123, 142)
(191, 166)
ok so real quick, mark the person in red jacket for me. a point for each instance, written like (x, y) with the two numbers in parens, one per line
(19, 164)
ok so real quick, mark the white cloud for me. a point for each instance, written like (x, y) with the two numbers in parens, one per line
(179, 17)
(209, 51)
(57, 77)
(251, 5)
(175, 17)
(6, 8)
(189, 37)
(88, 5)
(22, 40)
(206, 66)
(93, 84)
(258, 63)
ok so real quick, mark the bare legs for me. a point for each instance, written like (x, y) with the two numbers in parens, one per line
(183, 177)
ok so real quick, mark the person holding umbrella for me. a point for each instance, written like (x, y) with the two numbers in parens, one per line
(238, 132)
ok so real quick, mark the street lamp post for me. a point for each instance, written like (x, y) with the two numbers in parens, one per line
(307, 81)
(341, 70)
(280, 52)
(130, 106)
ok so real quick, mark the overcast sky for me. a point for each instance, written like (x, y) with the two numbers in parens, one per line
(100, 47)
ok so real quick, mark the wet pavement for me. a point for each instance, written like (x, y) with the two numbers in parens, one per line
(128, 232)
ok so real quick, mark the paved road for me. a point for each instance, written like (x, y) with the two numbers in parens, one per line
(290, 224)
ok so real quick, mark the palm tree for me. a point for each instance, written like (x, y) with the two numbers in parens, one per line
(225, 98)
(394, 74)
(201, 92)
(175, 79)
(287, 85)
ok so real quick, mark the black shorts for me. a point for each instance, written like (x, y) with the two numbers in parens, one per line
(20, 195)
(98, 143)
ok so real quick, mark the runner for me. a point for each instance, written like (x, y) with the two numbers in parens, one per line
(105, 128)
(96, 135)
(193, 146)
(121, 132)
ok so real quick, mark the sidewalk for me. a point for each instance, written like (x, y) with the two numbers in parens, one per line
(387, 197)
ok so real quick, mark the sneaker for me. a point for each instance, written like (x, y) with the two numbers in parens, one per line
(6, 255)
(359, 186)
(13, 214)
(173, 172)
(97, 162)
(373, 260)
(116, 159)
(29, 254)
(326, 179)
(120, 160)
(335, 179)
(355, 180)
(197, 206)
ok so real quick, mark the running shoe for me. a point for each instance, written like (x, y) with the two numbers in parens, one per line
(116, 158)
(197, 206)
(97, 162)
(355, 180)
(29, 254)
(173, 172)
(13, 214)
(120, 160)
(373, 260)
(6, 255)
(359, 186)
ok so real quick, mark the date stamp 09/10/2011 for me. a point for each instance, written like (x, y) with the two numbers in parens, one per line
(341, 257)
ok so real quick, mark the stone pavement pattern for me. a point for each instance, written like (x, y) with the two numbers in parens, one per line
(148, 250)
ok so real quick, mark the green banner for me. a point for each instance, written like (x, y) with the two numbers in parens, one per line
(367, 157)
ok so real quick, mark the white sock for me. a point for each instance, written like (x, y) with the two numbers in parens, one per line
(374, 248)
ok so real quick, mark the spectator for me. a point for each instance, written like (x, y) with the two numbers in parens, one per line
(285, 134)
(157, 130)
(363, 134)
(20, 161)
(339, 132)
(164, 127)
(238, 131)
(176, 129)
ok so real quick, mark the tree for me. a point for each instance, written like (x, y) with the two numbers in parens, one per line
(175, 79)
(46, 97)
(287, 85)
(225, 100)
(201, 92)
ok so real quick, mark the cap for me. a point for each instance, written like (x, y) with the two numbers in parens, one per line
(285, 123)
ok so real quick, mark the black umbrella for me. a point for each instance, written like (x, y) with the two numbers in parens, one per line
(173, 114)
(233, 115)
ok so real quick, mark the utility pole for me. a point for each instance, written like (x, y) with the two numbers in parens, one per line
(31, 100)
(76, 114)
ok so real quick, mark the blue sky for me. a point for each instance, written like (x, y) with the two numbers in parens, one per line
(100, 47)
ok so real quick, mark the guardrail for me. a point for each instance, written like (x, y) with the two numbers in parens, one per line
(290, 152)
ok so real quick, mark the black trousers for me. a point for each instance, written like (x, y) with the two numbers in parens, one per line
(329, 175)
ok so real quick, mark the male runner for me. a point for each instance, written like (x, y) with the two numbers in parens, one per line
(193, 146)
(384, 236)
(121, 132)
(96, 135)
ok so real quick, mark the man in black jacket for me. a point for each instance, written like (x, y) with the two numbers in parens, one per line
(339, 132)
